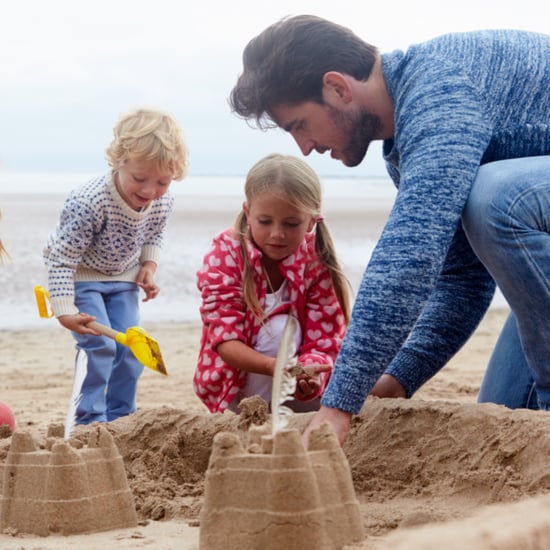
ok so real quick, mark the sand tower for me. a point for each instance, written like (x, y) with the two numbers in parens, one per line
(277, 495)
(65, 490)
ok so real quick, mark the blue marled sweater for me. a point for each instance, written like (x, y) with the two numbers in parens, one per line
(461, 100)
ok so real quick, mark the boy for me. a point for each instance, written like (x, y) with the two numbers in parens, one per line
(105, 248)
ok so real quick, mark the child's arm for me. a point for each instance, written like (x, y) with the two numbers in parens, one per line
(145, 280)
(77, 323)
(239, 355)
(152, 248)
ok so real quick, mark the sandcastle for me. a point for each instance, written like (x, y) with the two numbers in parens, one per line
(276, 495)
(65, 490)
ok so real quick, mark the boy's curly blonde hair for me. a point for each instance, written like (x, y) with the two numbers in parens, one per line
(149, 135)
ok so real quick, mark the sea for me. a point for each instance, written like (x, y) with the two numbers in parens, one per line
(203, 185)
(356, 208)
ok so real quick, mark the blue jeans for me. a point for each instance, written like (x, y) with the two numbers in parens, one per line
(508, 380)
(507, 222)
(109, 386)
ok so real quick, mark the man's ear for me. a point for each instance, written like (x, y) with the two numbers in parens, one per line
(336, 85)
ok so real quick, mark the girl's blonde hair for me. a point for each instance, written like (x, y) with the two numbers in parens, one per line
(296, 182)
(149, 135)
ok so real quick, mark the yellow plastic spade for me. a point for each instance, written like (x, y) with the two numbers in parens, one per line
(142, 345)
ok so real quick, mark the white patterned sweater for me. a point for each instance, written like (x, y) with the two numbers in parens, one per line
(101, 238)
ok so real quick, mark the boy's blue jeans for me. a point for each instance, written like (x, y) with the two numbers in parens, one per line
(109, 387)
(507, 222)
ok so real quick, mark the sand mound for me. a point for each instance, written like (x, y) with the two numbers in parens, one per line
(478, 454)
(166, 453)
(413, 463)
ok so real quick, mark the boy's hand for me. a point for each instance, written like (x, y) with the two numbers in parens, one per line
(145, 280)
(77, 323)
(151, 290)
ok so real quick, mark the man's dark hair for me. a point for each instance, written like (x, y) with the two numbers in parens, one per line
(285, 64)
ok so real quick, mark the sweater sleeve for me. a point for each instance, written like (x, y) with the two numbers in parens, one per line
(64, 253)
(441, 134)
(223, 318)
(220, 284)
(160, 214)
(456, 306)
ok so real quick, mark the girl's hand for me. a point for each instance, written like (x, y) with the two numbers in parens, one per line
(308, 381)
(77, 323)
(145, 280)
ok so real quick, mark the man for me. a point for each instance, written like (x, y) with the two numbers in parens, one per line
(465, 120)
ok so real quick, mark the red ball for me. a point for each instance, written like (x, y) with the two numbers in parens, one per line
(6, 416)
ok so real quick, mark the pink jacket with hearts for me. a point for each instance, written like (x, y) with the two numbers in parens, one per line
(225, 316)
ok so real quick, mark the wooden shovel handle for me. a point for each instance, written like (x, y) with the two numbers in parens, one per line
(103, 329)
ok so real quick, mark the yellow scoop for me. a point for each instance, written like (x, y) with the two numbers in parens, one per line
(143, 346)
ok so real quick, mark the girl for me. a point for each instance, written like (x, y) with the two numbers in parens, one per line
(106, 248)
(278, 260)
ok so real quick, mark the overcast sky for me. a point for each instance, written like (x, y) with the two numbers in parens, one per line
(69, 68)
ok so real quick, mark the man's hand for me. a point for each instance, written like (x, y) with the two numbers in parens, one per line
(388, 386)
(340, 422)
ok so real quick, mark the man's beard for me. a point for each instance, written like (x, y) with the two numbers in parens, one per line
(359, 128)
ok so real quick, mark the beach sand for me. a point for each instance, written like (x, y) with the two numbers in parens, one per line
(436, 470)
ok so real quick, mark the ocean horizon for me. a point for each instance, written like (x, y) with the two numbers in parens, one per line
(192, 185)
